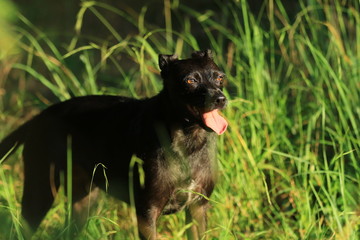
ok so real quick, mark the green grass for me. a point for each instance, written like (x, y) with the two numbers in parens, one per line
(289, 162)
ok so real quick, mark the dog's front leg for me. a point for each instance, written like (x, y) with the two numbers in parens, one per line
(196, 214)
(147, 230)
(147, 223)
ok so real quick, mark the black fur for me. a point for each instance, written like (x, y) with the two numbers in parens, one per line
(165, 131)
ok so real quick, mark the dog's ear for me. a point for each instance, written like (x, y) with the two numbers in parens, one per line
(202, 54)
(164, 60)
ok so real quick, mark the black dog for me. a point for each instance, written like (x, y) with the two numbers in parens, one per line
(172, 132)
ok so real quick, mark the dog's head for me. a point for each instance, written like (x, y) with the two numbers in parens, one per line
(194, 86)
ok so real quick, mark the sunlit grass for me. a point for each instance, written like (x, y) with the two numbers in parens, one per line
(289, 162)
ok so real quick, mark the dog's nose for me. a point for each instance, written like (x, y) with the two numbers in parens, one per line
(220, 101)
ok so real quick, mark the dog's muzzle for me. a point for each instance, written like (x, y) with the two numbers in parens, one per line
(209, 115)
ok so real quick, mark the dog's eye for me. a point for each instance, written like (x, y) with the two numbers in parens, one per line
(220, 79)
(190, 81)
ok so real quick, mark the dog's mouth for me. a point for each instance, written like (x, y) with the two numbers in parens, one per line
(210, 119)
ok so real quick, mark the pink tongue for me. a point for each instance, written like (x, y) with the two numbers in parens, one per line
(214, 121)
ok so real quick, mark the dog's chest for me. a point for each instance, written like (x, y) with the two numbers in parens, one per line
(183, 196)
(191, 169)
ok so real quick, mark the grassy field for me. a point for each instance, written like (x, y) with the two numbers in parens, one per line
(289, 162)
